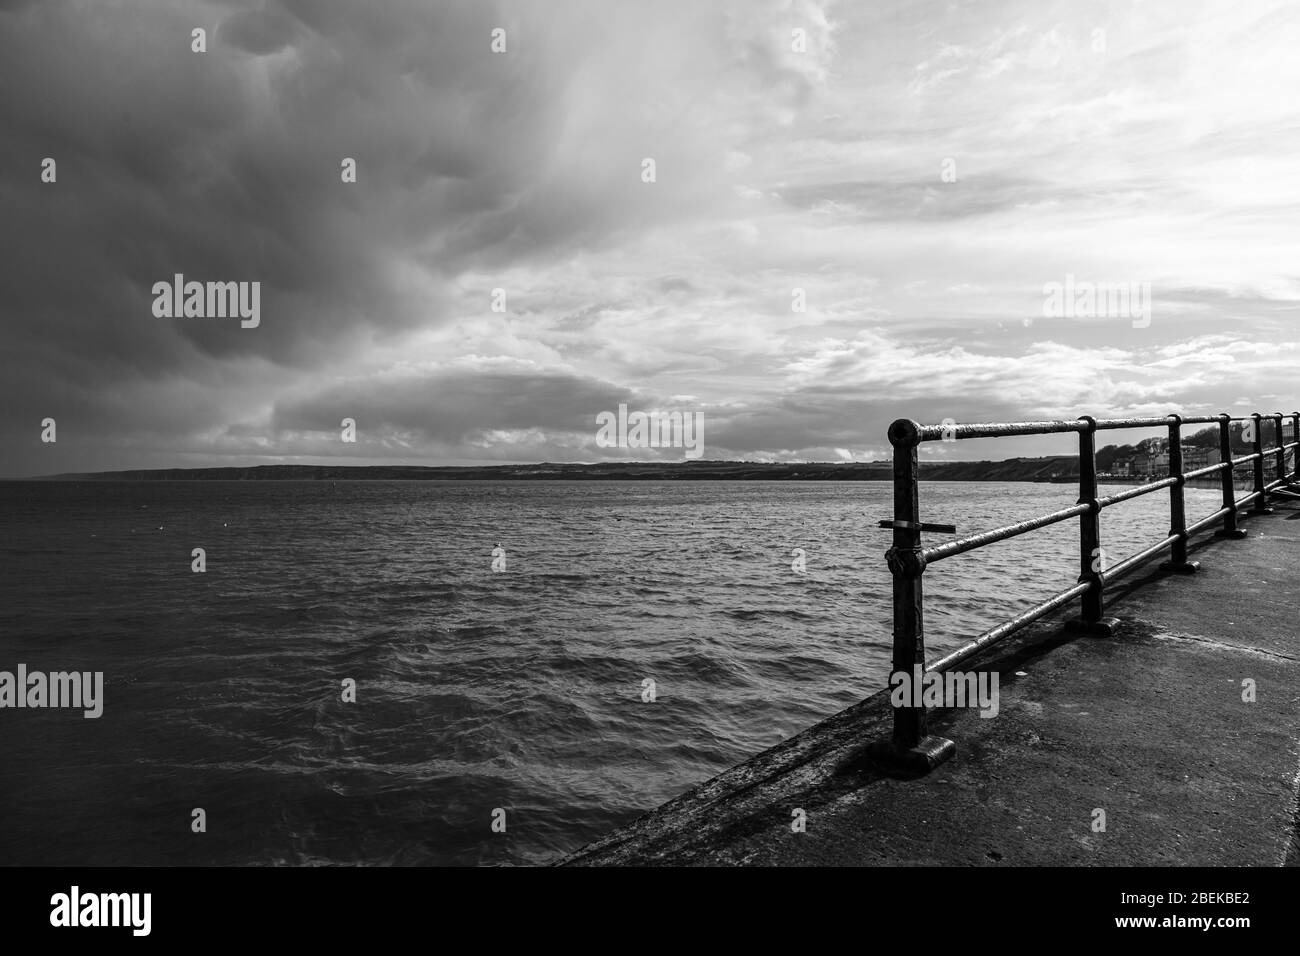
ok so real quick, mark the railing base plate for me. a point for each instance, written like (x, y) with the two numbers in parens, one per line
(1181, 567)
(928, 753)
(1235, 533)
(1103, 628)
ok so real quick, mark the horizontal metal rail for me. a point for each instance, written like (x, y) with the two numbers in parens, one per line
(957, 432)
(1131, 563)
(1207, 522)
(908, 560)
(1207, 470)
(1109, 423)
(961, 432)
(1007, 628)
(932, 555)
(1136, 492)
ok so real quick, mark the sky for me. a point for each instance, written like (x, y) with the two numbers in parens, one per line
(856, 214)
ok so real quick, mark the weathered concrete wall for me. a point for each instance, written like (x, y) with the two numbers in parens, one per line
(1149, 726)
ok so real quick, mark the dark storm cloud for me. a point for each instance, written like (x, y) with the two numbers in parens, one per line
(225, 166)
(454, 405)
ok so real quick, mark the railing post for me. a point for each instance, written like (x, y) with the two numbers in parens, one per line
(1261, 497)
(1229, 529)
(1177, 508)
(1281, 452)
(1091, 558)
(907, 566)
(909, 747)
(1295, 452)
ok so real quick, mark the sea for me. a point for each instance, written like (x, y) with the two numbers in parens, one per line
(456, 672)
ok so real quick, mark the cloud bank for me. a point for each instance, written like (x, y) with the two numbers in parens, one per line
(853, 215)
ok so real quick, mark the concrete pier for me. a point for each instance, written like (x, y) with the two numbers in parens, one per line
(1149, 726)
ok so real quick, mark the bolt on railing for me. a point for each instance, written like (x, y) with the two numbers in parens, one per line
(910, 745)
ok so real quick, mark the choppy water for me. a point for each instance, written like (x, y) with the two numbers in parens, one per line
(476, 689)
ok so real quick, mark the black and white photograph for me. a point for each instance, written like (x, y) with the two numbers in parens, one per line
(562, 436)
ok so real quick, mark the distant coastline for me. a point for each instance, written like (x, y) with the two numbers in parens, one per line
(1014, 469)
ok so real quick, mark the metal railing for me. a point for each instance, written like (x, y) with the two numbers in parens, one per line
(910, 745)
